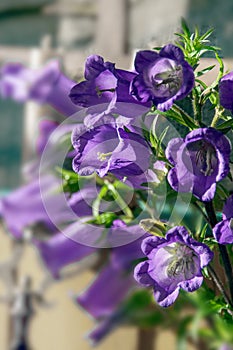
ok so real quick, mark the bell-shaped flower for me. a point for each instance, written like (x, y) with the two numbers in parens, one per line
(174, 262)
(163, 77)
(226, 91)
(223, 231)
(45, 85)
(107, 148)
(104, 84)
(199, 162)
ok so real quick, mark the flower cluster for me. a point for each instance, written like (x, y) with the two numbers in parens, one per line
(131, 183)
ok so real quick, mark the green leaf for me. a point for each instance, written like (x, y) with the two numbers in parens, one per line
(105, 219)
(153, 226)
(185, 27)
(96, 203)
(205, 70)
(70, 180)
(221, 70)
(202, 83)
(226, 125)
(157, 48)
(207, 34)
(194, 45)
(203, 232)
(159, 150)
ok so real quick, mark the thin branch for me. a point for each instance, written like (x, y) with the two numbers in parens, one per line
(219, 285)
(223, 250)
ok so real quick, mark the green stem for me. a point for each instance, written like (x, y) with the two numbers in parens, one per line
(189, 121)
(119, 200)
(196, 205)
(218, 113)
(97, 201)
(197, 107)
(223, 250)
(219, 285)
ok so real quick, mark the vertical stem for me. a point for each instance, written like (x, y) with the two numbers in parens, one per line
(228, 267)
(219, 284)
(223, 250)
(218, 113)
(196, 107)
(146, 339)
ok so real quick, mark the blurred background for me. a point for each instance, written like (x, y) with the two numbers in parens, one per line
(33, 31)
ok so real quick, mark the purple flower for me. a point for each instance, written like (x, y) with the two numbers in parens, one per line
(106, 148)
(174, 262)
(163, 77)
(226, 91)
(223, 231)
(60, 251)
(100, 301)
(107, 326)
(46, 128)
(106, 292)
(200, 160)
(45, 85)
(104, 84)
(24, 207)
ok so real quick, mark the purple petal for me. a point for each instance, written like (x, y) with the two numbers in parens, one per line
(46, 128)
(228, 208)
(193, 284)
(93, 67)
(122, 257)
(226, 91)
(59, 96)
(60, 251)
(140, 90)
(165, 298)
(144, 58)
(24, 206)
(172, 52)
(221, 144)
(141, 274)
(100, 301)
(150, 243)
(223, 232)
(172, 149)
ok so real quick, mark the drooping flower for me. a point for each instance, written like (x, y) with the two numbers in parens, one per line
(45, 85)
(106, 148)
(174, 262)
(163, 77)
(46, 128)
(25, 207)
(60, 251)
(100, 301)
(226, 91)
(223, 231)
(109, 288)
(200, 160)
(104, 84)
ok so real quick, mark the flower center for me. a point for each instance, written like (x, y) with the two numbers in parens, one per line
(103, 156)
(183, 261)
(206, 158)
(168, 82)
